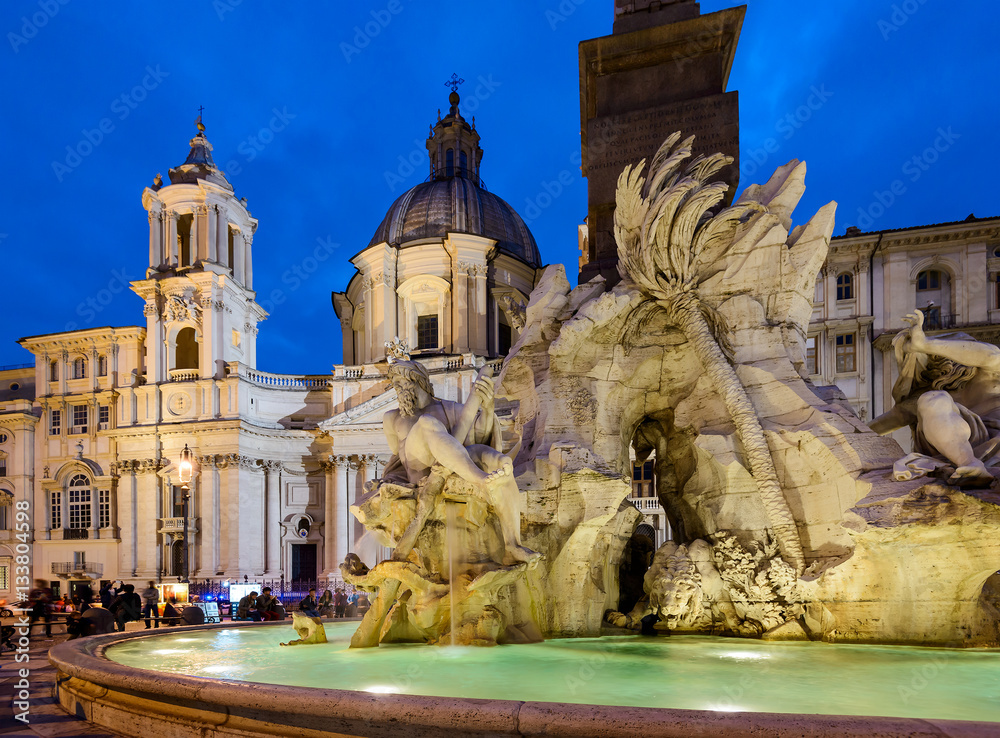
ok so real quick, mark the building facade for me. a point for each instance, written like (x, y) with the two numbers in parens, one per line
(92, 434)
(871, 281)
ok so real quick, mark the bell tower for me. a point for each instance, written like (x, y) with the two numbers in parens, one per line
(453, 145)
(201, 311)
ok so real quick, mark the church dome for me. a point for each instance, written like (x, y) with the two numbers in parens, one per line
(456, 204)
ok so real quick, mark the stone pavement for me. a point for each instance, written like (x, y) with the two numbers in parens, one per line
(46, 718)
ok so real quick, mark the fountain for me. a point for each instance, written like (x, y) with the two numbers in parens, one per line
(796, 536)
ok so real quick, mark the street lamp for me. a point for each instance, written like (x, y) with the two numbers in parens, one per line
(185, 471)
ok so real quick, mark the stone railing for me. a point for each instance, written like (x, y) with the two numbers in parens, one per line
(645, 503)
(183, 375)
(176, 525)
(290, 381)
(72, 567)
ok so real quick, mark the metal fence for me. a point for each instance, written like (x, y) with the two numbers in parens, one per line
(288, 593)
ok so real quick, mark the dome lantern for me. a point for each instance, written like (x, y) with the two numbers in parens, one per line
(453, 145)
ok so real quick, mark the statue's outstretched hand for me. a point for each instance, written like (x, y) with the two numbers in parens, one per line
(916, 322)
(484, 389)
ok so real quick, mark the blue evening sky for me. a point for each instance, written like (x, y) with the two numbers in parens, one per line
(316, 121)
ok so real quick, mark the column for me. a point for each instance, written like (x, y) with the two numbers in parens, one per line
(208, 512)
(367, 284)
(222, 236)
(171, 249)
(126, 502)
(342, 513)
(356, 530)
(460, 328)
(238, 252)
(155, 239)
(479, 345)
(213, 234)
(273, 518)
(248, 261)
(329, 535)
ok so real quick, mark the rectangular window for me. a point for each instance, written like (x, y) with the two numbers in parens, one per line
(78, 508)
(812, 356)
(427, 331)
(79, 419)
(55, 510)
(104, 507)
(642, 479)
(3, 467)
(55, 423)
(102, 366)
(54, 372)
(5, 576)
(846, 354)
(104, 415)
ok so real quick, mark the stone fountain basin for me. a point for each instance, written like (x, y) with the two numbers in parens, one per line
(142, 702)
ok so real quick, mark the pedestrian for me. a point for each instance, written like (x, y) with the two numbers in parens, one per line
(150, 604)
(247, 608)
(309, 606)
(352, 605)
(84, 597)
(40, 603)
(267, 605)
(126, 607)
(171, 615)
(326, 605)
(107, 594)
(339, 603)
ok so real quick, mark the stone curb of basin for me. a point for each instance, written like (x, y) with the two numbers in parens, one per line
(141, 703)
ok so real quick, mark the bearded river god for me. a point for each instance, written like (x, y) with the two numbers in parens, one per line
(464, 438)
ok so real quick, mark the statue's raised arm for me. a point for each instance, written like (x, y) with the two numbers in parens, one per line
(968, 352)
(948, 392)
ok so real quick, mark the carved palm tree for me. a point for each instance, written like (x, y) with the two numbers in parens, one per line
(670, 242)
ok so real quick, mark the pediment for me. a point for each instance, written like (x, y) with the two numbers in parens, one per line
(369, 411)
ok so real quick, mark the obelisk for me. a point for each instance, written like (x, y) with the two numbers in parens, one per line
(664, 68)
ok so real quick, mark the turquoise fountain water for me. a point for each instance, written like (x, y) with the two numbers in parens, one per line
(681, 672)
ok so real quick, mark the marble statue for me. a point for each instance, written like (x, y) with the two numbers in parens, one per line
(948, 393)
(310, 630)
(449, 507)
(464, 439)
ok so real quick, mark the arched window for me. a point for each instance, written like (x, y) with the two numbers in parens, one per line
(929, 279)
(449, 162)
(6, 509)
(79, 368)
(186, 355)
(463, 163)
(845, 286)
(78, 502)
(102, 365)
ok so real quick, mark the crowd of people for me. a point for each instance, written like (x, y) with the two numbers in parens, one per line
(264, 606)
(118, 603)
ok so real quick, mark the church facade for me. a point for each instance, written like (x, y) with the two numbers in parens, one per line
(92, 434)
